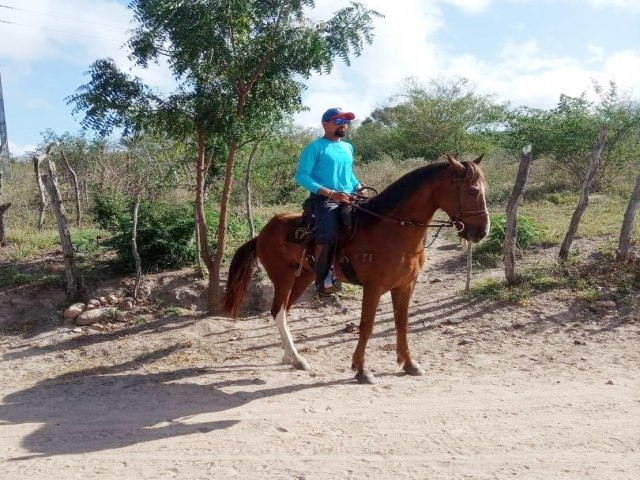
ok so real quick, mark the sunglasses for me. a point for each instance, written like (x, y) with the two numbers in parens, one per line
(341, 121)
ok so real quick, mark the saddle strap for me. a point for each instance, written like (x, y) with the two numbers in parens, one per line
(347, 269)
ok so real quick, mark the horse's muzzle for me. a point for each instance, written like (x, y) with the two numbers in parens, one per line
(472, 233)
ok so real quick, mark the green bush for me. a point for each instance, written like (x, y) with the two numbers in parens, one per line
(528, 233)
(165, 236)
(109, 209)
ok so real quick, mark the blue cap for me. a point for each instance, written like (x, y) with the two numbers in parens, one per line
(336, 112)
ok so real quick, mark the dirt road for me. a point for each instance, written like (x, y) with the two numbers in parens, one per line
(546, 391)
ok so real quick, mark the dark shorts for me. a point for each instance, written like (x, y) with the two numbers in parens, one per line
(327, 215)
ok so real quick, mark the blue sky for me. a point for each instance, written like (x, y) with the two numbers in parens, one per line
(527, 52)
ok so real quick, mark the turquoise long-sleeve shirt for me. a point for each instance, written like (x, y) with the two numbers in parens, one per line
(329, 164)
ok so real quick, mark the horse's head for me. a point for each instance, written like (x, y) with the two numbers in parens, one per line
(463, 199)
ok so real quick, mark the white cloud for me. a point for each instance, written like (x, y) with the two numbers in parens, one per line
(615, 3)
(46, 29)
(470, 6)
(408, 43)
(19, 150)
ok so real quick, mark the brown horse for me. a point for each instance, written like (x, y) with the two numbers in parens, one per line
(386, 252)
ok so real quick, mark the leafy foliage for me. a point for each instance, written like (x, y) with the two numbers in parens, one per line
(528, 233)
(430, 121)
(567, 132)
(165, 232)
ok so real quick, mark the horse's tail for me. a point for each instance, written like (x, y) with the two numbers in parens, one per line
(242, 266)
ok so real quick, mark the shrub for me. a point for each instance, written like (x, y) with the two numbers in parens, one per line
(528, 233)
(165, 236)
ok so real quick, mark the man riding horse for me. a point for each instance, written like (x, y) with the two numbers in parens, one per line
(326, 170)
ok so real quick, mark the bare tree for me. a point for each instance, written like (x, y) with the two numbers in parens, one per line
(247, 188)
(3, 208)
(76, 188)
(134, 247)
(624, 244)
(37, 159)
(584, 193)
(511, 234)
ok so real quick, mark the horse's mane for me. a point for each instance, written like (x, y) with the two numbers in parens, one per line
(403, 188)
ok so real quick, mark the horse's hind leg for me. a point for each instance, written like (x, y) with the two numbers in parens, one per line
(279, 309)
(299, 287)
(400, 298)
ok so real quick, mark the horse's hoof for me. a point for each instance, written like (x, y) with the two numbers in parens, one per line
(297, 363)
(302, 365)
(414, 369)
(365, 377)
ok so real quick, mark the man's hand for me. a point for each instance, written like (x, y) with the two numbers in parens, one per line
(341, 197)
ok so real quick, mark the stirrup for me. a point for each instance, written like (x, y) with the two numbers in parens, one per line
(322, 291)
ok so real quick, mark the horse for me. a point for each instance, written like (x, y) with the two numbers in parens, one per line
(386, 253)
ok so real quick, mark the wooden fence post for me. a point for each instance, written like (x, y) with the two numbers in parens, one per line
(584, 193)
(511, 234)
(624, 244)
(50, 181)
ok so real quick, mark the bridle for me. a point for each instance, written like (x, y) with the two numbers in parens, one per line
(455, 221)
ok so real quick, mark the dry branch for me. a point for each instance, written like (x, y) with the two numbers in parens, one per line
(3, 208)
(76, 188)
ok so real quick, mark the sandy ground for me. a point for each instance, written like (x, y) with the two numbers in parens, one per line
(546, 391)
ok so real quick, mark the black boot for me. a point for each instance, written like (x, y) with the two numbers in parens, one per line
(324, 255)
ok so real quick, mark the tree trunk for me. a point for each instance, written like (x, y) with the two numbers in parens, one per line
(134, 249)
(199, 265)
(584, 193)
(624, 244)
(43, 199)
(76, 188)
(247, 188)
(51, 183)
(3, 208)
(511, 234)
(215, 288)
(205, 252)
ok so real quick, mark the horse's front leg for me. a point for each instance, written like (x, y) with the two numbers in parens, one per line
(400, 298)
(370, 300)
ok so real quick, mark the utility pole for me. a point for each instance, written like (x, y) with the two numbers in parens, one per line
(5, 164)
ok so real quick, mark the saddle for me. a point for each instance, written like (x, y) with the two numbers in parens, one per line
(303, 232)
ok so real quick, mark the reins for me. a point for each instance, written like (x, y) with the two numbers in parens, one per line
(439, 224)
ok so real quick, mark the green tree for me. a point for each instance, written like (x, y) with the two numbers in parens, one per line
(240, 67)
(566, 133)
(445, 116)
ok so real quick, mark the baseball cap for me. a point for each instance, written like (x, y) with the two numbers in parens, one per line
(336, 112)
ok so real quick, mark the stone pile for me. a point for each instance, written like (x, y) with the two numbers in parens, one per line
(109, 309)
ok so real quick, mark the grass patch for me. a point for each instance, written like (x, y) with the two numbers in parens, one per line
(13, 277)
(533, 281)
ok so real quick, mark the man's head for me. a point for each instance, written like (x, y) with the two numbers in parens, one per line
(335, 123)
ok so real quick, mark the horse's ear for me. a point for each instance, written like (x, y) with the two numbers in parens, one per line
(478, 160)
(456, 165)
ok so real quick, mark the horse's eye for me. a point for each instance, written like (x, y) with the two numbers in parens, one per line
(474, 191)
